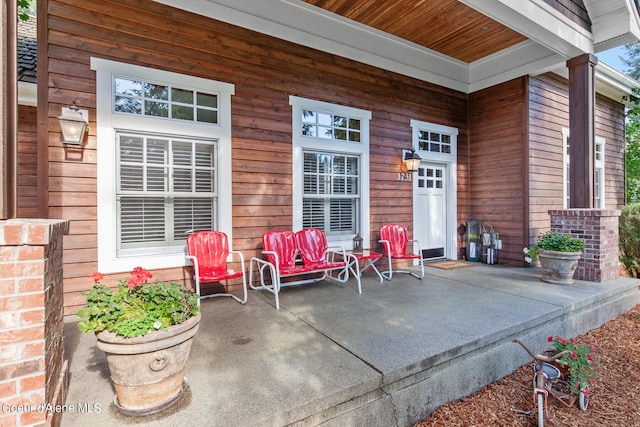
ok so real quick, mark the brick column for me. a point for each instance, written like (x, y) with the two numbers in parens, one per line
(33, 369)
(599, 230)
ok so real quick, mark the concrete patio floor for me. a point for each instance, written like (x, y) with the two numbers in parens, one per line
(332, 357)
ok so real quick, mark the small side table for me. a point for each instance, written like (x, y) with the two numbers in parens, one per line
(368, 259)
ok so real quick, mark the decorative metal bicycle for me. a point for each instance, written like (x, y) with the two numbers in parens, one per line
(550, 379)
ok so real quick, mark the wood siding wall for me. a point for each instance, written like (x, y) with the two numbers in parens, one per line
(498, 167)
(548, 114)
(574, 10)
(513, 187)
(27, 162)
(265, 71)
(610, 125)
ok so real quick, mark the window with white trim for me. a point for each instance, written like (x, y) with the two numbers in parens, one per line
(434, 142)
(330, 169)
(146, 98)
(598, 170)
(331, 199)
(165, 190)
(164, 163)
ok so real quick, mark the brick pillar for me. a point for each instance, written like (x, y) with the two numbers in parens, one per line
(33, 369)
(599, 230)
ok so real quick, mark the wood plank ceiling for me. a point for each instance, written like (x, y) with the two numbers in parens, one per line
(446, 26)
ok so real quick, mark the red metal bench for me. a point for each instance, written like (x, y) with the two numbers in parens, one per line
(282, 247)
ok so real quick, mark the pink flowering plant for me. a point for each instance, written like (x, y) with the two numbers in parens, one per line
(581, 361)
(137, 306)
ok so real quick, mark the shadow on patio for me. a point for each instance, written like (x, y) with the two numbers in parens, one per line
(386, 357)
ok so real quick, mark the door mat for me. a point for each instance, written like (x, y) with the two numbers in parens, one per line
(450, 264)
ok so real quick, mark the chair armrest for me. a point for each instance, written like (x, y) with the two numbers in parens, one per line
(336, 249)
(417, 243)
(386, 246)
(240, 255)
(260, 261)
(237, 254)
(194, 261)
(275, 254)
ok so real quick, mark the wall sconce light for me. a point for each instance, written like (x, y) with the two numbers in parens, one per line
(73, 124)
(411, 160)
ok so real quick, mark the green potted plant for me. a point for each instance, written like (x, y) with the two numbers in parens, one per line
(558, 254)
(145, 328)
(581, 362)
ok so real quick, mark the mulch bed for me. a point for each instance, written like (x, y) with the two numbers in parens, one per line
(615, 392)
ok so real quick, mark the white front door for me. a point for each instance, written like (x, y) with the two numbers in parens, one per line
(435, 204)
(430, 185)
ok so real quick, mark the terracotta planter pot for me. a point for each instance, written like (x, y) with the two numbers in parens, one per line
(558, 267)
(148, 372)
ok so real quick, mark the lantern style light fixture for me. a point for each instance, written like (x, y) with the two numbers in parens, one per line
(411, 160)
(73, 124)
(357, 244)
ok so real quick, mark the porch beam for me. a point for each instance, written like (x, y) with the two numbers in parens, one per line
(539, 22)
(582, 96)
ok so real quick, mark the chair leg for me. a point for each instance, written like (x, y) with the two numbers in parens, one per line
(242, 300)
(276, 291)
(421, 262)
(389, 273)
(198, 289)
(244, 290)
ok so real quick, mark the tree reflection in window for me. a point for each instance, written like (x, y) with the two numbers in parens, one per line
(137, 97)
(328, 126)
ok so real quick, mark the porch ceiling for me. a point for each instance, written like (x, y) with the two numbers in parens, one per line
(446, 26)
(466, 45)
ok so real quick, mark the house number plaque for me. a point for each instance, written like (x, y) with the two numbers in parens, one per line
(405, 176)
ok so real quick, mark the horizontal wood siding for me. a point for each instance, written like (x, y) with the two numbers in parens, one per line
(548, 114)
(497, 177)
(610, 126)
(575, 10)
(27, 196)
(265, 71)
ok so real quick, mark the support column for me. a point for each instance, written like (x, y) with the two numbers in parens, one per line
(33, 370)
(598, 228)
(582, 97)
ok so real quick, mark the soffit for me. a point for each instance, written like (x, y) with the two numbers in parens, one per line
(446, 26)
(466, 45)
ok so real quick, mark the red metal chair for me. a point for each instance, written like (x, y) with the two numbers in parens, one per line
(281, 249)
(395, 240)
(312, 244)
(209, 251)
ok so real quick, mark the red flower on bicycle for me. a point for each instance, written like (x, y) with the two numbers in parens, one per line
(581, 361)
